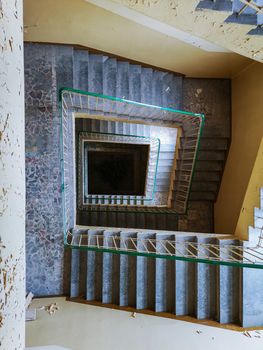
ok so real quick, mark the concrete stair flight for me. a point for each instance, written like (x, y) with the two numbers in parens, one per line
(242, 12)
(106, 75)
(182, 288)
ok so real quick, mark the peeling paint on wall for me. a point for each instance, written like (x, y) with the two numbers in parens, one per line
(12, 177)
(205, 24)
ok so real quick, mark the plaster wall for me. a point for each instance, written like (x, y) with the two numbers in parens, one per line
(12, 177)
(252, 197)
(79, 22)
(247, 130)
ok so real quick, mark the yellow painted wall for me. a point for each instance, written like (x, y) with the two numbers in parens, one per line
(247, 132)
(252, 198)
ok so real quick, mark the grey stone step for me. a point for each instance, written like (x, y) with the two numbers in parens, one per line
(81, 70)
(128, 276)
(165, 278)
(166, 156)
(165, 162)
(210, 165)
(164, 168)
(157, 88)
(95, 76)
(103, 219)
(258, 218)
(131, 219)
(109, 79)
(122, 88)
(185, 284)
(201, 186)
(254, 233)
(135, 82)
(214, 143)
(228, 288)
(206, 284)
(140, 220)
(211, 155)
(161, 222)
(204, 155)
(172, 91)
(120, 219)
(111, 272)
(94, 272)
(145, 276)
(167, 148)
(146, 85)
(251, 301)
(206, 143)
(202, 165)
(112, 219)
(150, 220)
(197, 195)
(203, 196)
(207, 176)
(216, 5)
(74, 275)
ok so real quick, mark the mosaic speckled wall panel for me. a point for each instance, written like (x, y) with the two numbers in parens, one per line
(46, 68)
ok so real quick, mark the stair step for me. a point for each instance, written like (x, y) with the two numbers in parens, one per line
(157, 87)
(122, 88)
(251, 302)
(111, 272)
(204, 155)
(145, 276)
(146, 85)
(228, 288)
(166, 156)
(216, 5)
(135, 82)
(109, 81)
(202, 165)
(128, 275)
(95, 77)
(203, 196)
(207, 176)
(185, 284)
(214, 143)
(206, 284)
(199, 186)
(81, 70)
(167, 147)
(206, 143)
(211, 155)
(75, 277)
(94, 271)
(172, 91)
(165, 278)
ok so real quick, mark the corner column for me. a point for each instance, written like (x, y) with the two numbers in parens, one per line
(12, 177)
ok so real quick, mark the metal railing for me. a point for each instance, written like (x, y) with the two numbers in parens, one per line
(134, 243)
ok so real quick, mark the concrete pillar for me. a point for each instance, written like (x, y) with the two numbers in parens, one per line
(12, 177)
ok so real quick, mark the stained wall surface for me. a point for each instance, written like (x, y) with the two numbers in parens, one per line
(12, 177)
